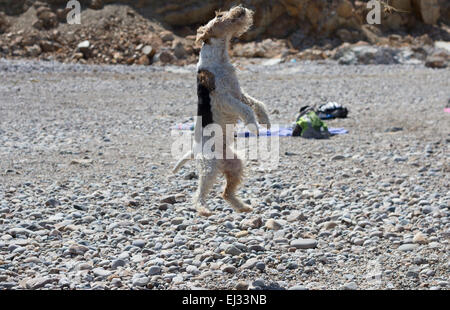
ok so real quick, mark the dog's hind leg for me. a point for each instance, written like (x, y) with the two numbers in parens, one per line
(208, 174)
(233, 170)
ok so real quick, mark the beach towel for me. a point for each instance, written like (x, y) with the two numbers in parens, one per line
(281, 131)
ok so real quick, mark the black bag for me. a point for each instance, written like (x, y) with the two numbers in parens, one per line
(331, 110)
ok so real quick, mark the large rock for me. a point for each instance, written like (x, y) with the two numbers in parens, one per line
(47, 18)
(4, 24)
(345, 9)
(266, 49)
(428, 10)
(181, 13)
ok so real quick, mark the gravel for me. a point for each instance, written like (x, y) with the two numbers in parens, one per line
(87, 200)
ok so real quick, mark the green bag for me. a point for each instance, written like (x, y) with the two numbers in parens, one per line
(309, 125)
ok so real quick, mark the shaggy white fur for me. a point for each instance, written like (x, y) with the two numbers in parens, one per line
(227, 102)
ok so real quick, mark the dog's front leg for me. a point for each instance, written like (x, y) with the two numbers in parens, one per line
(259, 108)
(240, 109)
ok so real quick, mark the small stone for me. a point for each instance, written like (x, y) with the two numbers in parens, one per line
(298, 288)
(273, 224)
(177, 220)
(34, 50)
(78, 249)
(329, 225)
(317, 194)
(167, 36)
(96, 4)
(116, 282)
(420, 238)
(233, 250)
(250, 263)
(117, 263)
(229, 269)
(350, 286)
(142, 281)
(413, 272)
(337, 157)
(258, 283)
(52, 203)
(178, 50)
(192, 270)
(407, 247)
(241, 286)
(169, 199)
(154, 270)
(255, 222)
(139, 243)
(39, 282)
(260, 266)
(166, 57)
(241, 234)
(32, 259)
(296, 216)
(148, 51)
(84, 48)
(436, 62)
(100, 272)
(304, 243)
(143, 60)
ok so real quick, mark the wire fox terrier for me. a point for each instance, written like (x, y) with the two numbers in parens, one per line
(222, 102)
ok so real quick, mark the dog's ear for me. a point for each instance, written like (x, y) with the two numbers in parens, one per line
(241, 17)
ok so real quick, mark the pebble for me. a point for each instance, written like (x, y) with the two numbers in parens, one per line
(258, 283)
(241, 286)
(169, 199)
(407, 247)
(39, 282)
(141, 281)
(233, 250)
(304, 243)
(192, 270)
(250, 263)
(118, 263)
(116, 282)
(154, 270)
(139, 243)
(260, 266)
(228, 269)
(100, 272)
(273, 224)
(420, 238)
(350, 286)
(298, 288)
(77, 249)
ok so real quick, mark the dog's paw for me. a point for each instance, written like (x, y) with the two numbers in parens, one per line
(245, 209)
(253, 128)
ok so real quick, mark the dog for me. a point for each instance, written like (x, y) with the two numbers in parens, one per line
(221, 101)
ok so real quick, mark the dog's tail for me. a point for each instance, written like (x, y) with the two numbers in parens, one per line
(182, 161)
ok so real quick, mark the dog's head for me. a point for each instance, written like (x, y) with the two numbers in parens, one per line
(232, 23)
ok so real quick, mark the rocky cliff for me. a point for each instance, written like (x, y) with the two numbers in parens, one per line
(281, 27)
